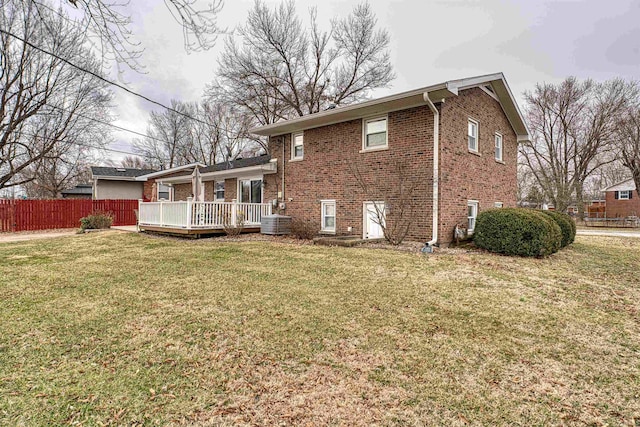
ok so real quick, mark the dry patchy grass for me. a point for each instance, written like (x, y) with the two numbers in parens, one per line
(119, 329)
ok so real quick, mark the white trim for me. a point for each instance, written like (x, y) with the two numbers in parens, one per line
(474, 121)
(495, 140)
(168, 171)
(436, 170)
(488, 92)
(367, 120)
(324, 203)
(293, 146)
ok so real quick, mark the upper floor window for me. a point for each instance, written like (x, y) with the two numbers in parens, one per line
(624, 195)
(219, 190)
(472, 134)
(498, 138)
(297, 146)
(375, 133)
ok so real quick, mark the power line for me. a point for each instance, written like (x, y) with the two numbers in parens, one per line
(80, 144)
(98, 76)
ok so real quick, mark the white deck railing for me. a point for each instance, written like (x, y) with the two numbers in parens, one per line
(199, 215)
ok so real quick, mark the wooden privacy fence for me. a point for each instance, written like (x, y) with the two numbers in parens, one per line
(23, 215)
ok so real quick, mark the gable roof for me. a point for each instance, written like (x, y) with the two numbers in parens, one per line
(126, 174)
(627, 185)
(413, 98)
(155, 174)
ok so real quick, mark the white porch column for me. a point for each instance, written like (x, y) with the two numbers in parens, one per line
(189, 211)
(234, 212)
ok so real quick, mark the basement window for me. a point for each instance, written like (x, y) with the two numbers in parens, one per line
(328, 216)
(472, 214)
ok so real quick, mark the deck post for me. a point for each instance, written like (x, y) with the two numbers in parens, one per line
(234, 212)
(189, 211)
(161, 213)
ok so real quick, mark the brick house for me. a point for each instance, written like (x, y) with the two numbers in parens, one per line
(455, 141)
(621, 200)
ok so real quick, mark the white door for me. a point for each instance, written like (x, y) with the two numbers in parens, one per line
(372, 219)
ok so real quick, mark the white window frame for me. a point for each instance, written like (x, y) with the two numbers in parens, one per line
(475, 204)
(215, 191)
(170, 187)
(293, 146)
(626, 193)
(323, 204)
(252, 178)
(498, 205)
(477, 136)
(498, 138)
(364, 133)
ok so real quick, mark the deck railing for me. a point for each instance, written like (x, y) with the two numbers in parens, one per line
(202, 215)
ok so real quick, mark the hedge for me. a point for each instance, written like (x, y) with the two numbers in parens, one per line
(566, 224)
(517, 231)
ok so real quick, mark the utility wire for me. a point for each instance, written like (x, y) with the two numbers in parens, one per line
(98, 76)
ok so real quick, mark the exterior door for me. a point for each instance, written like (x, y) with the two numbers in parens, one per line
(372, 220)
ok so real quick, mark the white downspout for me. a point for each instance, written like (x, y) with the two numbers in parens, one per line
(436, 155)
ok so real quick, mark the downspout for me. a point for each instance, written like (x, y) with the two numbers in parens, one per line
(283, 163)
(436, 156)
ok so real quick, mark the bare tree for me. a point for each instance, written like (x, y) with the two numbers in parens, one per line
(397, 190)
(572, 126)
(628, 133)
(108, 25)
(46, 106)
(282, 68)
(135, 162)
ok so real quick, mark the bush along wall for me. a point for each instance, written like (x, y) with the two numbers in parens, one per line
(516, 231)
(567, 226)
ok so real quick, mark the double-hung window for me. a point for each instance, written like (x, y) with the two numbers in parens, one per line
(624, 195)
(375, 133)
(297, 146)
(472, 135)
(472, 214)
(164, 192)
(219, 190)
(498, 139)
(328, 216)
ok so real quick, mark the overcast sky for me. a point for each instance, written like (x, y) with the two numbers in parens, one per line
(431, 41)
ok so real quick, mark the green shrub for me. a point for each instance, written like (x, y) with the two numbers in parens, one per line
(566, 224)
(513, 231)
(95, 221)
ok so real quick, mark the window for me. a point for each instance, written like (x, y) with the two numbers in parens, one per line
(472, 213)
(218, 190)
(328, 216)
(498, 147)
(375, 133)
(250, 190)
(472, 133)
(497, 205)
(624, 195)
(297, 146)
(164, 192)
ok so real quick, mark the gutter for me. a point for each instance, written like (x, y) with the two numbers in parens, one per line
(436, 173)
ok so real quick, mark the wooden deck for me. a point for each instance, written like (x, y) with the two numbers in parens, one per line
(194, 231)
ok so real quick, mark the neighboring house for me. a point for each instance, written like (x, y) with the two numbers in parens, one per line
(117, 183)
(457, 139)
(622, 200)
(80, 191)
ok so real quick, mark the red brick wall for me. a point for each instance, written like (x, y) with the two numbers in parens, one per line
(332, 158)
(466, 176)
(622, 208)
(182, 191)
(147, 189)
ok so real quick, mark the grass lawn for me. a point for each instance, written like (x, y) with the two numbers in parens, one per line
(116, 328)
